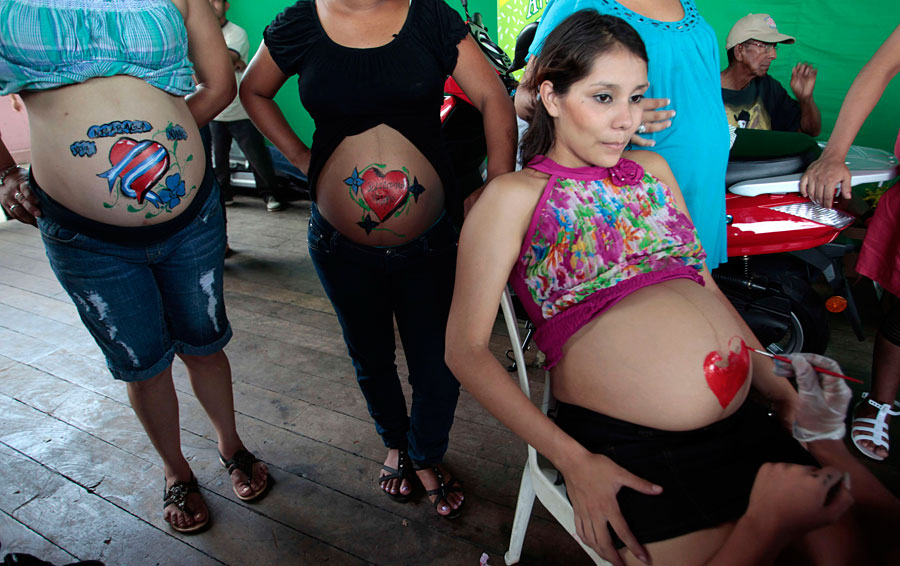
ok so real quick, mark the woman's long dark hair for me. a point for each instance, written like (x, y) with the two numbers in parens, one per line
(567, 57)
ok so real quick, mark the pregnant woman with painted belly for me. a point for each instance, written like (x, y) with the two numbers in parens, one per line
(128, 213)
(377, 189)
(134, 160)
(371, 74)
(656, 381)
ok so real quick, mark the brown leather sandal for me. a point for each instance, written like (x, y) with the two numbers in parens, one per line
(177, 496)
(243, 460)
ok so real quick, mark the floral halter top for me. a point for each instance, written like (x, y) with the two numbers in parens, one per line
(598, 234)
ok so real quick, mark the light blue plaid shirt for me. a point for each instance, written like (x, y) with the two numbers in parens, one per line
(46, 44)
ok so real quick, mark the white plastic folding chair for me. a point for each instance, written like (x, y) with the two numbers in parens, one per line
(537, 479)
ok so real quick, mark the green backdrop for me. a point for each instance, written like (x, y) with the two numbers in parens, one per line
(255, 15)
(836, 36)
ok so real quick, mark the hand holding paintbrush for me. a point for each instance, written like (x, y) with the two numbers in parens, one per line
(822, 397)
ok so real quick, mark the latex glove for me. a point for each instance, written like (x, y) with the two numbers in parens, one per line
(822, 398)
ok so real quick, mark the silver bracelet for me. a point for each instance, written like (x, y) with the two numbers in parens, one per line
(7, 171)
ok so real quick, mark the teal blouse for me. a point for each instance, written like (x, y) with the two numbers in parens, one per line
(684, 67)
(46, 44)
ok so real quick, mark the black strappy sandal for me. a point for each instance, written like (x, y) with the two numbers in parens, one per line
(444, 489)
(404, 471)
(177, 496)
(243, 460)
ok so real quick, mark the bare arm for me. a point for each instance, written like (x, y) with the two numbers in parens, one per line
(826, 172)
(259, 85)
(803, 83)
(483, 87)
(489, 245)
(786, 502)
(212, 65)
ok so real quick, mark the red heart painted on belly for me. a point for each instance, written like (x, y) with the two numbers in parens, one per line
(384, 193)
(726, 380)
(140, 165)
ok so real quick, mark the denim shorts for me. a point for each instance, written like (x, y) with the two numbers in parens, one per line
(142, 304)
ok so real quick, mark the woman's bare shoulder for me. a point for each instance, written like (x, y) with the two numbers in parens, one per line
(653, 163)
(518, 184)
(510, 199)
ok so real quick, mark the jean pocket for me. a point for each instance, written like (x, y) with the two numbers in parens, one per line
(54, 232)
(441, 239)
(317, 239)
(210, 208)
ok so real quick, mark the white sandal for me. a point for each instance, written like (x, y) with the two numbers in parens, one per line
(874, 430)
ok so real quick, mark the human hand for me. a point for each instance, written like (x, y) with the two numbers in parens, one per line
(239, 65)
(822, 398)
(803, 81)
(821, 178)
(17, 199)
(653, 120)
(592, 484)
(788, 500)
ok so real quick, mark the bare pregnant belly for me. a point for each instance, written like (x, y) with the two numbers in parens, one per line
(668, 356)
(377, 189)
(116, 150)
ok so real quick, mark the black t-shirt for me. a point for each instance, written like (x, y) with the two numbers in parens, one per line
(348, 91)
(762, 105)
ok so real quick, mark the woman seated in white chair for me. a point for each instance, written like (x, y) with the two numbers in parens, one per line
(651, 365)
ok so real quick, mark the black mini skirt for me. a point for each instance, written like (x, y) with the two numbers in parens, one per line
(706, 474)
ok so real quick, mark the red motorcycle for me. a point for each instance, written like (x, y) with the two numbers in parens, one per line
(780, 244)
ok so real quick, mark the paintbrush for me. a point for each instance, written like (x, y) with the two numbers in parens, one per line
(817, 368)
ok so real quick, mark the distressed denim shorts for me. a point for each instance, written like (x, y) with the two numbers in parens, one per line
(142, 304)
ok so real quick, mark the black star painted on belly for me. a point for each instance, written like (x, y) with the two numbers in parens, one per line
(416, 189)
(368, 224)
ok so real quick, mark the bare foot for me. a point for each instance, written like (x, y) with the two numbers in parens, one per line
(248, 487)
(867, 411)
(192, 513)
(453, 500)
(396, 486)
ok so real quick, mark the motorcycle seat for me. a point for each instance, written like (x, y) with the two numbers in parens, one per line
(759, 154)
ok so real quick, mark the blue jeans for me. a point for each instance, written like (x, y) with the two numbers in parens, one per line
(369, 287)
(142, 304)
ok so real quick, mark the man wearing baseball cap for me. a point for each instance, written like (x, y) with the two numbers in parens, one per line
(755, 100)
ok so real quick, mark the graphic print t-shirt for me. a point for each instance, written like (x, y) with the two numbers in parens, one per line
(762, 105)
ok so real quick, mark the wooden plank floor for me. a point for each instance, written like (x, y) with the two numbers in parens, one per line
(79, 479)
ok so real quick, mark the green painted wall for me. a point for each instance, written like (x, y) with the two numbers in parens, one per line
(255, 15)
(838, 37)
